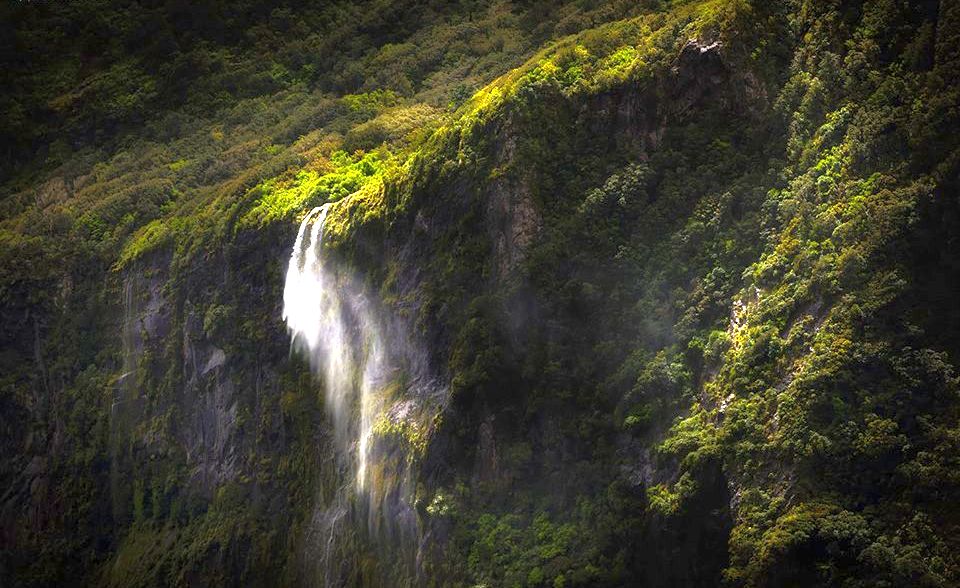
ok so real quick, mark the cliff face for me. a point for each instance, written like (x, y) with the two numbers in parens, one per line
(669, 304)
(516, 426)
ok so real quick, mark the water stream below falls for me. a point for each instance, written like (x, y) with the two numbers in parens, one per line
(378, 396)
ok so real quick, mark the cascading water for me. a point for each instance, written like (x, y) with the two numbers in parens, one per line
(334, 325)
(372, 374)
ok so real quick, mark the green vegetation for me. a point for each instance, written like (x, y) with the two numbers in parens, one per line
(688, 269)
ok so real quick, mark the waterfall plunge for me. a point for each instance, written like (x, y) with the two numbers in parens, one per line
(373, 372)
(332, 322)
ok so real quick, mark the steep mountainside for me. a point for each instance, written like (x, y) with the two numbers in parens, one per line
(480, 294)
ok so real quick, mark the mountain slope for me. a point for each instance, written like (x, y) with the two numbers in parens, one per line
(685, 277)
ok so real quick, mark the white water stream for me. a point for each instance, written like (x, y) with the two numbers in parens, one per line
(333, 323)
(372, 372)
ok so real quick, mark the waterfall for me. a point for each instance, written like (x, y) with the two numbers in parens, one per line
(332, 321)
(373, 376)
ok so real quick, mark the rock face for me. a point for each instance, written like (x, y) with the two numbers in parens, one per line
(511, 215)
(210, 436)
(206, 435)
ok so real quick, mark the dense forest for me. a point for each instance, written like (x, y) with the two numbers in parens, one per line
(556, 293)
